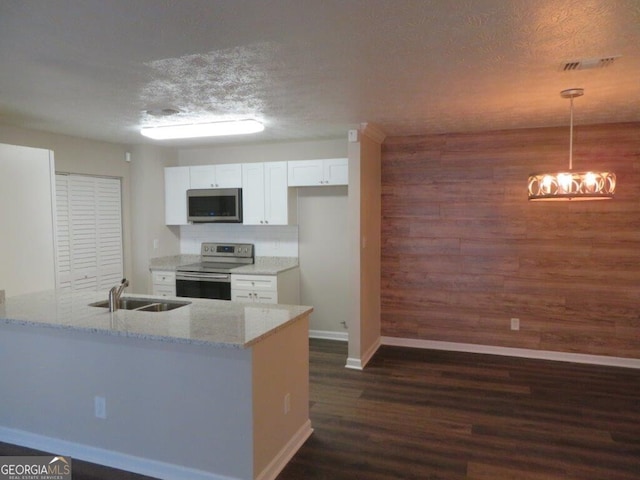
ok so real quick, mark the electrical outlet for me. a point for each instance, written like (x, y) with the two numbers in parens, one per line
(287, 403)
(100, 407)
(515, 324)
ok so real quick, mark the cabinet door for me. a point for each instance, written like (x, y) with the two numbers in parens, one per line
(253, 193)
(305, 173)
(276, 199)
(202, 176)
(245, 296)
(249, 296)
(265, 297)
(336, 171)
(229, 176)
(176, 184)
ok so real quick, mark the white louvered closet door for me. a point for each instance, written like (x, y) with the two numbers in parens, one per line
(89, 232)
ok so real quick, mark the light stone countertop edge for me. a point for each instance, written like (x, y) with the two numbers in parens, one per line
(215, 323)
(262, 265)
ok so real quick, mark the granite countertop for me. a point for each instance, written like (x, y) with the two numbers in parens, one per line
(262, 265)
(218, 323)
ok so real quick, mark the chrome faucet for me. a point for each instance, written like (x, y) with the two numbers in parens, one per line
(114, 294)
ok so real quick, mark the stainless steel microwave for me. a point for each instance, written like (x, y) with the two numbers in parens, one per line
(214, 205)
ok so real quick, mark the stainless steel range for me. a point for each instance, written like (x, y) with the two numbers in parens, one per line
(211, 277)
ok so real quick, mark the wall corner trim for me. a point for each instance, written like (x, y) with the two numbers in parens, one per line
(513, 352)
(373, 132)
(280, 461)
(354, 364)
(360, 363)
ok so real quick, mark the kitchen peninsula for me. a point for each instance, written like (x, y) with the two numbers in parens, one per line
(209, 390)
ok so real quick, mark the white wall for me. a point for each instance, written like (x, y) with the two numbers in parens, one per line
(150, 420)
(27, 251)
(82, 156)
(150, 236)
(323, 243)
(265, 152)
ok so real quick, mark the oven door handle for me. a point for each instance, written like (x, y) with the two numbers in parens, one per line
(203, 277)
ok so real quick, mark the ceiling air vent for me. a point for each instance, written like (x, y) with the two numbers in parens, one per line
(589, 63)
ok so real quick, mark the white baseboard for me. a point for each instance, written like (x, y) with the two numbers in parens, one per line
(329, 335)
(360, 363)
(101, 456)
(274, 468)
(514, 352)
(354, 363)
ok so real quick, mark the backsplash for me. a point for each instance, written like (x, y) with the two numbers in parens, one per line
(271, 241)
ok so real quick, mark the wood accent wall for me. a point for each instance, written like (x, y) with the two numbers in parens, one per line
(464, 251)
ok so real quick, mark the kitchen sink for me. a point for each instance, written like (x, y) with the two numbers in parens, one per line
(143, 304)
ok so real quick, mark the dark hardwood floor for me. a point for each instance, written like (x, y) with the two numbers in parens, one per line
(420, 414)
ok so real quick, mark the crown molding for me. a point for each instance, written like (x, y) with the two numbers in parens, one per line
(373, 132)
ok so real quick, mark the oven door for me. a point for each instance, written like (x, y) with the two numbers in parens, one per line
(216, 286)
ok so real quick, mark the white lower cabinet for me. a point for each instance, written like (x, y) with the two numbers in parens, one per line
(163, 283)
(254, 288)
(283, 288)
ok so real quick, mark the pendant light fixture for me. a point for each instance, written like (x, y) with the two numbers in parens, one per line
(570, 185)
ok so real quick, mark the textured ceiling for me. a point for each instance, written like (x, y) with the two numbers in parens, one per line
(314, 69)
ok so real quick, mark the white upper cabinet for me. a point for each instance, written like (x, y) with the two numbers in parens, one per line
(216, 176)
(309, 173)
(177, 180)
(253, 193)
(265, 194)
(176, 184)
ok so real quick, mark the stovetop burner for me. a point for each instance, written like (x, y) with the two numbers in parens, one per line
(208, 267)
(220, 258)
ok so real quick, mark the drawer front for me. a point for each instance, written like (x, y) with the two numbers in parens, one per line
(254, 282)
(164, 290)
(247, 296)
(266, 297)
(164, 278)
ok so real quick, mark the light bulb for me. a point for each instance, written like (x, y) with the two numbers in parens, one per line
(590, 181)
(564, 182)
(547, 181)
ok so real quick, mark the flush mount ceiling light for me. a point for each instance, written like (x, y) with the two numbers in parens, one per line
(211, 129)
(570, 185)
